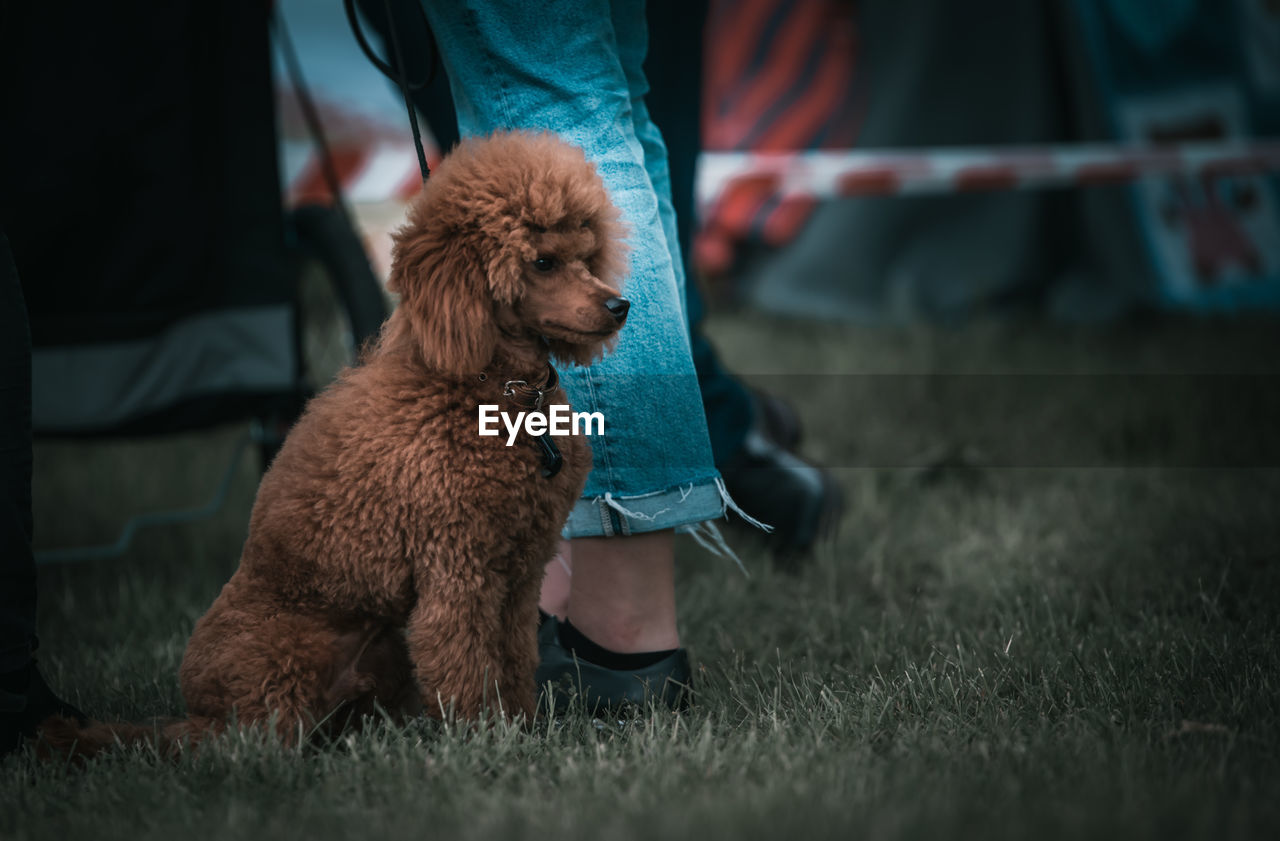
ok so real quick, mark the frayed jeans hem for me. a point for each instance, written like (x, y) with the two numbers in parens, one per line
(608, 515)
(682, 508)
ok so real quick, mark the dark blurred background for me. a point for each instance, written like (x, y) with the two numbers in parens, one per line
(1052, 413)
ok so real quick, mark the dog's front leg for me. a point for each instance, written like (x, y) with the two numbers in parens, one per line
(455, 636)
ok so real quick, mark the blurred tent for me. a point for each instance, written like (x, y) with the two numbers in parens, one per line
(168, 286)
(362, 114)
(141, 197)
(993, 73)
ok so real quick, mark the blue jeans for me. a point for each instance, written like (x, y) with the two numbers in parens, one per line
(574, 67)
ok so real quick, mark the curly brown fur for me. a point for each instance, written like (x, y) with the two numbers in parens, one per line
(394, 555)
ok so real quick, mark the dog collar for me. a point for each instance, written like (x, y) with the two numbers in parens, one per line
(530, 397)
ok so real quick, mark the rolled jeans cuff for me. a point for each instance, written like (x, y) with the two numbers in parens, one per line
(608, 515)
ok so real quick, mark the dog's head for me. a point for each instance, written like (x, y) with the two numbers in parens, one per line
(513, 241)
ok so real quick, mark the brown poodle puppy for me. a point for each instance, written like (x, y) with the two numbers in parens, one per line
(395, 555)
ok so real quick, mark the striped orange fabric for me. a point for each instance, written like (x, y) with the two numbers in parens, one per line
(780, 76)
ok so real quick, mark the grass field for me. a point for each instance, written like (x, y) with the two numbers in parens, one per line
(1051, 612)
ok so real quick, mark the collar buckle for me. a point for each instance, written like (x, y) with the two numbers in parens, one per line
(526, 391)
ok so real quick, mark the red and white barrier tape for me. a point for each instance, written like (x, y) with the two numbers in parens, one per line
(827, 174)
(369, 172)
(389, 171)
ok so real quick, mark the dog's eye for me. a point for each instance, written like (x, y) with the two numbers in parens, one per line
(544, 264)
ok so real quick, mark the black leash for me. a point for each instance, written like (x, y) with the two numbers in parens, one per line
(530, 397)
(552, 460)
(397, 73)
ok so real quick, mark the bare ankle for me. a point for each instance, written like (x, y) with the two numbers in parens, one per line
(622, 592)
(626, 634)
(556, 581)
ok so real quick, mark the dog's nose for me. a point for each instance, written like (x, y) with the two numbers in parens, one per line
(618, 307)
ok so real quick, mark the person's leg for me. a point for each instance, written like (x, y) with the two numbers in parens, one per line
(752, 433)
(616, 652)
(556, 67)
(642, 567)
(17, 565)
(674, 104)
(622, 592)
(554, 597)
(25, 699)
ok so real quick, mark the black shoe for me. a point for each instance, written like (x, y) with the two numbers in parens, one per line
(798, 498)
(606, 691)
(777, 420)
(25, 701)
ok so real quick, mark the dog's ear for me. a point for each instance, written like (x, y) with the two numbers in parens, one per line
(445, 297)
(506, 269)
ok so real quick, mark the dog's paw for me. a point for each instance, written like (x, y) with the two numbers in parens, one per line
(350, 685)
